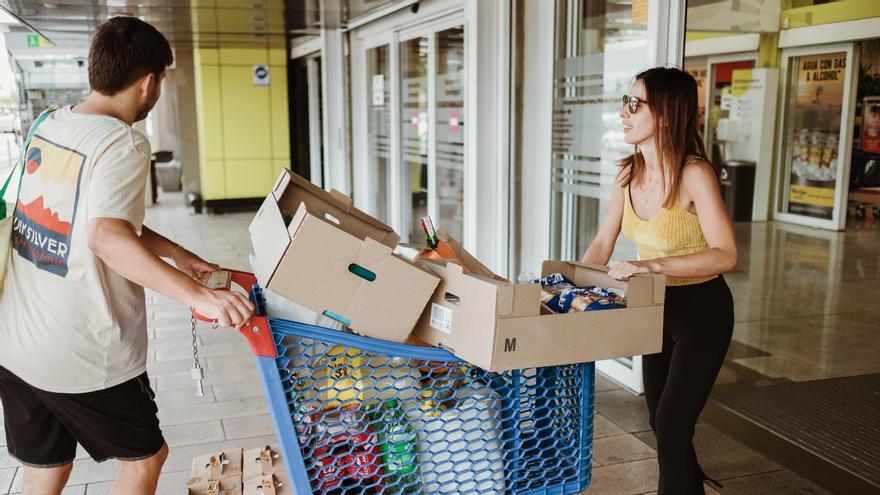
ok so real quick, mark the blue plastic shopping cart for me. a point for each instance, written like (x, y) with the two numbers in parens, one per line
(355, 415)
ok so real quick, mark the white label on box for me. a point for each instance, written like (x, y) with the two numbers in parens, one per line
(441, 318)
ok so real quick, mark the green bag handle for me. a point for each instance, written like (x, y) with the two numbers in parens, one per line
(27, 143)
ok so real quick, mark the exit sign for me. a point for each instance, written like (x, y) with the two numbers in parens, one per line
(37, 41)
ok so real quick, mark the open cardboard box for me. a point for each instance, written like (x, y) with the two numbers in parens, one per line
(315, 248)
(497, 325)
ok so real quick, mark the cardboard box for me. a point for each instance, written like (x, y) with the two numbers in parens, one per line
(273, 484)
(497, 325)
(261, 461)
(314, 248)
(225, 486)
(217, 465)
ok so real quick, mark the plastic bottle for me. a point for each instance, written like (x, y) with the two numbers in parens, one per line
(397, 445)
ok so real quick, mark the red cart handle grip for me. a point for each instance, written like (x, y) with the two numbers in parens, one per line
(257, 331)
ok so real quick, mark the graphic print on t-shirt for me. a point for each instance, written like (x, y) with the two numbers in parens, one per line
(46, 208)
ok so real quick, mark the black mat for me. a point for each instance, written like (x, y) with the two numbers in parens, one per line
(837, 419)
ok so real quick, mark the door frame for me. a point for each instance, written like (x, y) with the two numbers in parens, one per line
(487, 100)
(310, 54)
(844, 152)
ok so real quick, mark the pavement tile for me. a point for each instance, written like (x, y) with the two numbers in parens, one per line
(6, 477)
(630, 478)
(783, 482)
(193, 433)
(720, 456)
(248, 426)
(182, 396)
(212, 349)
(621, 448)
(237, 391)
(602, 427)
(212, 411)
(627, 411)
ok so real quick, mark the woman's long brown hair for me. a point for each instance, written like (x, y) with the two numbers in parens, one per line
(672, 97)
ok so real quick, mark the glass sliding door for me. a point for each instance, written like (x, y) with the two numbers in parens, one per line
(414, 135)
(600, 46)
(379, 131)
(409, 95)
(449, 83)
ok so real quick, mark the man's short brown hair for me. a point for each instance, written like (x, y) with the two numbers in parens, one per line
(123, 50)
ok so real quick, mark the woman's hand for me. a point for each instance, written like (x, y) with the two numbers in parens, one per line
(626, 269)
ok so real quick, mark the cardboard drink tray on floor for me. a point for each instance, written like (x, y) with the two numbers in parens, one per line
(497, 325)
(315, 248)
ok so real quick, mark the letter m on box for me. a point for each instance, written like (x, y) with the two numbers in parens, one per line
(510, 345)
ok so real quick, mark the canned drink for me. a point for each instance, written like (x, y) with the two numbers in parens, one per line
(345, 451)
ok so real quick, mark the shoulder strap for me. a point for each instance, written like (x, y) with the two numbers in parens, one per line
(22, 163)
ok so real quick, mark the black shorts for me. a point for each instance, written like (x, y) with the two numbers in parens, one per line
(43, 428)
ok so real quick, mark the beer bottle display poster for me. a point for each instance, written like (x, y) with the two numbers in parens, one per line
(813, 131)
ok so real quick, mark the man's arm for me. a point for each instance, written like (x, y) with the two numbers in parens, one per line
(116, 243)
(156, 243)
(184, 260)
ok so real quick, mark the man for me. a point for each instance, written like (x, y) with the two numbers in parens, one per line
(73, 332)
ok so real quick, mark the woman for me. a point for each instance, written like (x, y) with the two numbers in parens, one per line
(666, 199)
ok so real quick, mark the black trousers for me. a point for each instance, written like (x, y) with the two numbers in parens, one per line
(697, 328)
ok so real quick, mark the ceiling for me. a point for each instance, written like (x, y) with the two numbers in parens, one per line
(186, 23)
(190, 23)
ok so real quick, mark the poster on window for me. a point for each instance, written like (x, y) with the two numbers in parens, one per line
(871, 124)
(814, 132)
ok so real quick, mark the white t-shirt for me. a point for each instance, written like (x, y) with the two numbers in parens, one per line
(68, 322)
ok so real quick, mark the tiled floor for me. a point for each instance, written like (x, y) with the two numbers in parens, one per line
(802, 313)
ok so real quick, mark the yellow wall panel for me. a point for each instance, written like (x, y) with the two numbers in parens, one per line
(248, 178)
(209, 119)
(244, 56)
(279, 122)
(278, 56)
(246, 118)
(206, 56)
(827, 13)
(203, 20)
(213, 177)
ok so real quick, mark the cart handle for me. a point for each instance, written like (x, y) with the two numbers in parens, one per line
(257, 332)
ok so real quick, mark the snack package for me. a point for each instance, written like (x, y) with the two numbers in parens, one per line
(560, 295)
(552, 288)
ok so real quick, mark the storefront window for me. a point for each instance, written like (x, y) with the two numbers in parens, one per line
(600, 46)
(414, 134)
(450, 131)
(379, 129)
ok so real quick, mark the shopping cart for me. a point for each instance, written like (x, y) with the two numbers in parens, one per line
(355, 415)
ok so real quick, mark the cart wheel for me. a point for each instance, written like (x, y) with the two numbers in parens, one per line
(860, 212)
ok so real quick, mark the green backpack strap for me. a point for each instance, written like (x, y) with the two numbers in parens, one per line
(27, 143)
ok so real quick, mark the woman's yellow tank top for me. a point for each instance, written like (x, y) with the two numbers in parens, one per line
(673, 231)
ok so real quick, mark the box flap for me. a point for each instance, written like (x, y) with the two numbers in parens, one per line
(333, 207)
(281, 183)
(269, 237)
(469, 261)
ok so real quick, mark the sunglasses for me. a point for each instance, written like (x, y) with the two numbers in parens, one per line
(632, 102)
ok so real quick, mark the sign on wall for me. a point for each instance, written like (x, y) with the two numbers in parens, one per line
(261, 75)
(813, 133)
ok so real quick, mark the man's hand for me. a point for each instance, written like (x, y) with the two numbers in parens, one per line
(191, 264)
(115, 242)
(230, 309)
(626, 269)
